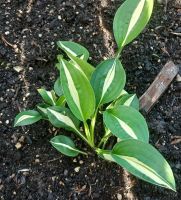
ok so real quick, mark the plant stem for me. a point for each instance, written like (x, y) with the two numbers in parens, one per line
(92, 127)
(82, 136)
(105, 139)
(118, 52)
(88, 134)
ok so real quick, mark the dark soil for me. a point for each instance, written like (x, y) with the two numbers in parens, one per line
(29, 31)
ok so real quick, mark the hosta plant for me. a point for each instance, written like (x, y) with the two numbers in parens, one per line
(83, 92)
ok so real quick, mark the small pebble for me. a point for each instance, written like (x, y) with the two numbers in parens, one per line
(77, 169)
(18, 145)
(22, 139)
(37, 160)
(7, 121)
(178, 78)
(18, 68)
(61, 183)
(7, 33)
(81, 162)
(40, 35)
(119, 197)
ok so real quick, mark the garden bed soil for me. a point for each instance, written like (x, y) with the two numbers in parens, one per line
(29, 167)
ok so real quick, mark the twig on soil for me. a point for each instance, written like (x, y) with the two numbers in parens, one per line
(55, 159)
(176, 140)
(17, 90)
(177, 34)
(14, 46)
(158, 87)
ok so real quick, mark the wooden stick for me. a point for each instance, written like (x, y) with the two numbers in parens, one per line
(158, 87)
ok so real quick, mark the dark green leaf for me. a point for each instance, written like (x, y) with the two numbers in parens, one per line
(130, 19)
(128, 100)
(74, 49)
(58, 87)
(78, 92)
(83, 65)
(108, 80)
(126, 122)
(144, 161)
(48, 96)
(61, 117)
(27, 117)
(65, 145)
(42, 108)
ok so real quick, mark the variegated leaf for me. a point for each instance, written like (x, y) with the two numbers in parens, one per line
(42, 108)
(130, 19)
(27, 117)
(74, 48)
(128, 100)
(61, 117)
(65, 145)
(48, 96)
(77, 91)
(143, 161)
(126, 122)
(108, 80)
(83, 65)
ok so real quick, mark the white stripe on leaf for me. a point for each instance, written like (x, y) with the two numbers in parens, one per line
(109, 78)
(72, 89)
(63, 118)
(134, 19)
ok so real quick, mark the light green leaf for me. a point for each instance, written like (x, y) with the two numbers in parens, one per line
(144, 161)
(126, 122)
(74, 48)
(48, 96)
(61, 117)
(130, 19)
(58, 87)
(42, 108)
(27, 117)
(77, 91)
(65, 145)
(128, 100)
(105, 154)
(108, 80)
(61, 101)
(83, 65)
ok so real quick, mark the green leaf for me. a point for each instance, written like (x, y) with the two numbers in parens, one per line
(42, 108)
(126, 122)
(108, 80)
(128, 100)
(144, 161)
(74, 48)
(61, 117)
(61, 101)
(48, 96)
(77, 91)
(65, 145)
(27, 117)
(58, 87)
(83, 65)
(130, 19)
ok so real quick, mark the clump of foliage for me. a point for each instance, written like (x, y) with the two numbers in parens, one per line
(82, 92)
